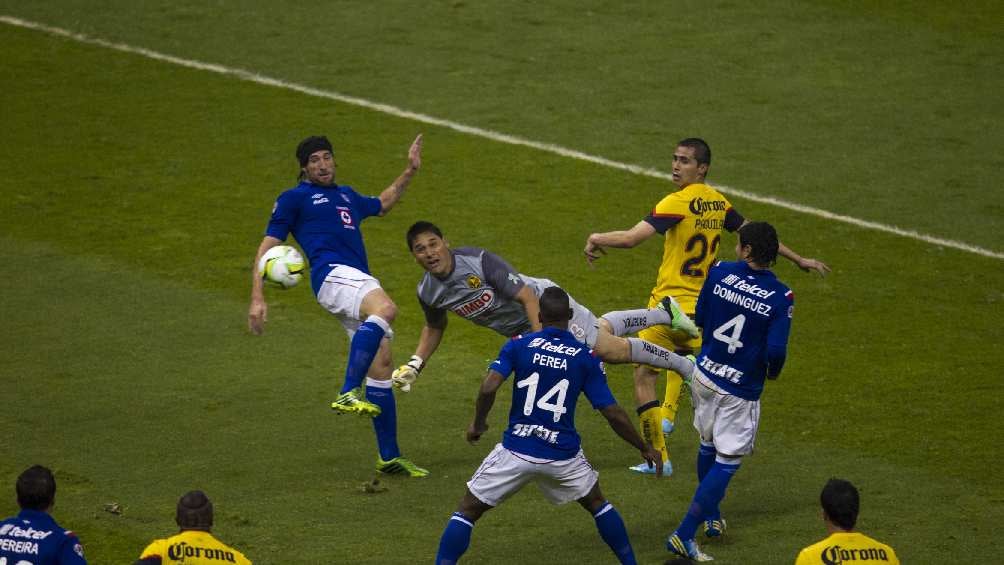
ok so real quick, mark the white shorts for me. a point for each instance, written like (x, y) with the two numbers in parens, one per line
(504, 472)
(342, 293)
(584, 325)
(727, 421)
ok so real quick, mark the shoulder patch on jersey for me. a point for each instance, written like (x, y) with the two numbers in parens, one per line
(791, 311)
(513, 278)
(473, 281)
(789, 295)
(274, 206)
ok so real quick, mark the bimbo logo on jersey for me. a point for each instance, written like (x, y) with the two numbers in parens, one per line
(699, 206)
(475, 306)
(179, 551)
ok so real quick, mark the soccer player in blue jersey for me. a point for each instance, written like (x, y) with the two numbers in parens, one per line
(541, 444)
(325, 218)
(745, 312)
(33, 536)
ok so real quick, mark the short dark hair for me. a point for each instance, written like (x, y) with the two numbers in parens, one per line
(762, 239)
(841, 502)
(554, 305)
(702, 152)
(195, 511)
(418, 228)
(36, 488)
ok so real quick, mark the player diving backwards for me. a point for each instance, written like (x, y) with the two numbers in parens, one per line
(484, 288)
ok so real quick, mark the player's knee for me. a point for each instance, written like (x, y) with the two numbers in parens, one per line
(606, 326)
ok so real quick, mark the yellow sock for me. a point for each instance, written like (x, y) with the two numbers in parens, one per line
(671, 402)
(650, 424)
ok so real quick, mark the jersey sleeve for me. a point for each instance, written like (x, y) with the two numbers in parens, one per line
(434, 317)
(284, 215)
(154, 553)
(595, 386)
(733, 220)
(667, 213)
(506, 360)
(365, 206)
(501, 275)
(71, 552)
(777, 334)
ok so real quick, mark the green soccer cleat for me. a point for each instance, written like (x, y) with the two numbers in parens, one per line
(351, 402)
(678, 320)
(686, 548)
(400, 466)
(714, 528)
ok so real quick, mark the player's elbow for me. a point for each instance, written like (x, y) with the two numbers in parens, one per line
(776, 356)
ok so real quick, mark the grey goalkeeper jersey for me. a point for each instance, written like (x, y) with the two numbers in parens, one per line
(482, 288)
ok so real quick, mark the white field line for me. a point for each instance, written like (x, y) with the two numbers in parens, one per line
(489, 134)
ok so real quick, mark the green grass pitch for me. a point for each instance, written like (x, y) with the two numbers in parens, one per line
(134, 192)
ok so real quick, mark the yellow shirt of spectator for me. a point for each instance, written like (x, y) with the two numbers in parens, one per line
(692, 219)
(847, 548)
(192, 547)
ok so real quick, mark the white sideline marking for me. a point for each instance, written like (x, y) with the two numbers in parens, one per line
(489, 134)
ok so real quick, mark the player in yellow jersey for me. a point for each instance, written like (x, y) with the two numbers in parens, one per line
(692, 220)
(841, 502)
(194, 545)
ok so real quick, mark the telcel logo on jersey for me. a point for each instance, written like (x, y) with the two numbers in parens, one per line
(699, 206)
(543, 343)
(15, 532)
(835, 555)
(476, 306)
(179, 551)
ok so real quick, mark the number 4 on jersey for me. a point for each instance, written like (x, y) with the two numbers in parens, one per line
(557, 408)
(731, 338)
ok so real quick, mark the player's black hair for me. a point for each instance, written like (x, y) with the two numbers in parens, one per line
(841, 502)
(762, 239)
(418, 228)
(554, 306)
(702, 152)
(195, 511)
(36, 488)
(308, 147)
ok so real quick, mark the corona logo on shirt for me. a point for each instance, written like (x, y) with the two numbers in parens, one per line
(179, 551)
(836, 555)
(476, 306)
(699, 206)
(473, 281)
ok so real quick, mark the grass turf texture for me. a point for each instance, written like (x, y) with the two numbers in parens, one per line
(135, 193)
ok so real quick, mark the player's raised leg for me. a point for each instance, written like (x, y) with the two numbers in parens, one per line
(609, 523)
(376, 311)
(456, 536)
(667, 312)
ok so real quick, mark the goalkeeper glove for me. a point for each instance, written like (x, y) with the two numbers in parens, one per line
(405, 375)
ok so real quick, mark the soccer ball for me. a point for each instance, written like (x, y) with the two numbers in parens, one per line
(282, 266)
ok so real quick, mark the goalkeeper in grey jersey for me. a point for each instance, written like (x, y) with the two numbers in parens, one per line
(482, 287)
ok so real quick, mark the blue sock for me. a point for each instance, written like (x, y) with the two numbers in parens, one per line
(363, 349)
(385, 425)
(709, 494)
(612, 530)
(456, 538)
(705, 459)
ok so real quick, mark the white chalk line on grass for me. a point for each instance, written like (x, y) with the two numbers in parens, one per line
(250, 76)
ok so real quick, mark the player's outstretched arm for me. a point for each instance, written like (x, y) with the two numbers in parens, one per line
(405, 375)
(393, 193)
(483, 405)
(806, 264)
(258, 311)
(531, 304)
(619, 421)
(624, 239)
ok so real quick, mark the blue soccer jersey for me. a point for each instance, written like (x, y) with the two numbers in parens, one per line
(746, 316)
(35, 537)
(325, 222)
(551, 369)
